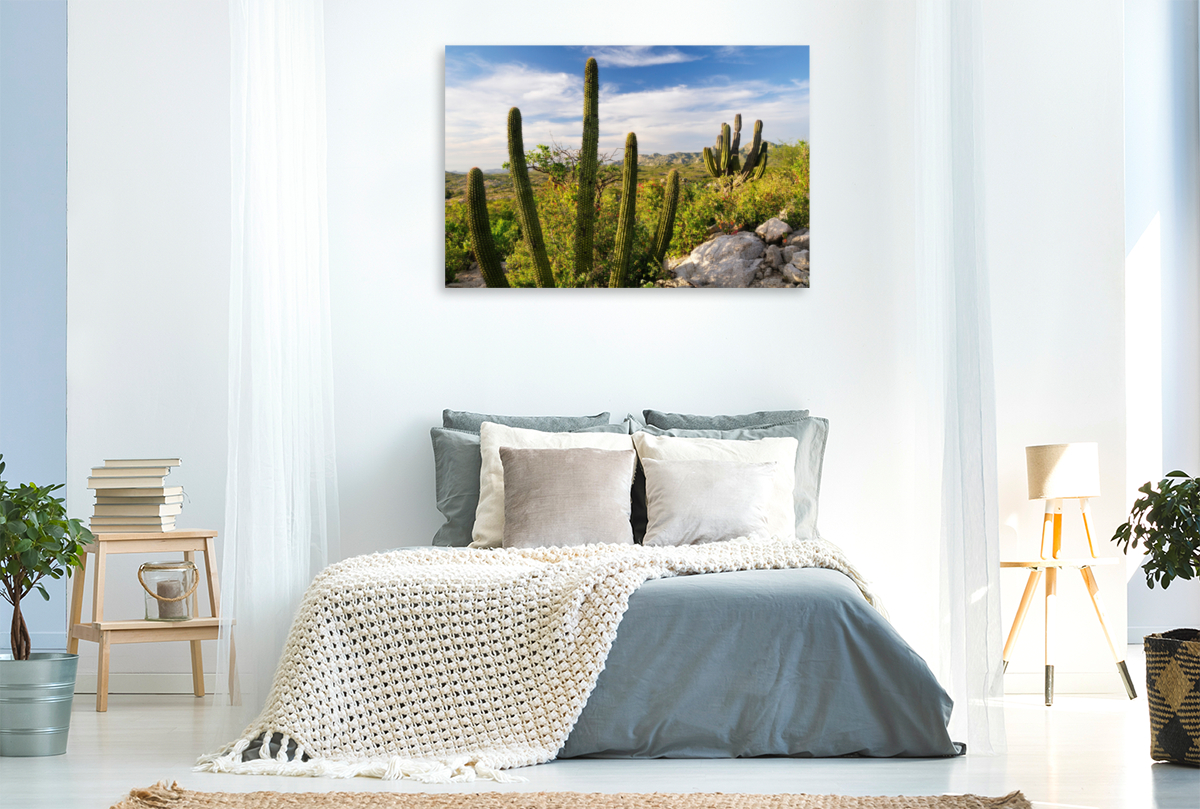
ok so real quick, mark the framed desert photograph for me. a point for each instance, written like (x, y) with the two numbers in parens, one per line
(643, 167)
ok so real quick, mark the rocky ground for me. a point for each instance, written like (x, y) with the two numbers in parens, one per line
(773, 256)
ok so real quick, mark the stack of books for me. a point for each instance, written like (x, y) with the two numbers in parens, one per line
(132, 496)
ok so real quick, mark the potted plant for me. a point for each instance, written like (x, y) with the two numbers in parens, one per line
(1166, 522)
(36, 688)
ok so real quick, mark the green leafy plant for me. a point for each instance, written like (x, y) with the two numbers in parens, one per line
(1166, 521)
(36, 540)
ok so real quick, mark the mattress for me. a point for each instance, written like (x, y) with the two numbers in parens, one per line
(760, 663)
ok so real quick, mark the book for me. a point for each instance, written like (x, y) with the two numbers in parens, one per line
(103, 498)
(127, 462)
(149, 491)
(132, 529)
(126, 482)
(135, 510)
(130, 471)
(133, 520)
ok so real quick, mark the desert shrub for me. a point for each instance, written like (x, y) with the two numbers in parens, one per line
(458, 240)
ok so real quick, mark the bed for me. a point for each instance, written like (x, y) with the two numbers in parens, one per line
(450, 664)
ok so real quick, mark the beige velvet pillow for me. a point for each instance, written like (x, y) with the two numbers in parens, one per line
(488, 531)
(690, 502)
(566, 496)
(781, 514)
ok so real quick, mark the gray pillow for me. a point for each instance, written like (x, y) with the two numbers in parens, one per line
(696, 501)
(565, 497)
(684, 421)
(463, 420)
(811, 433)
(456, 463)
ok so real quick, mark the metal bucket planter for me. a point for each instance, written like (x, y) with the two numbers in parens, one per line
(35, 703)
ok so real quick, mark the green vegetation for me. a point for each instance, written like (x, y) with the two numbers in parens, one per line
(724, 162)
(702, 210)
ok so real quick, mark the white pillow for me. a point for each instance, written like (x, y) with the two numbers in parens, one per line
(489, 514)
(781, 516)
(690, 502)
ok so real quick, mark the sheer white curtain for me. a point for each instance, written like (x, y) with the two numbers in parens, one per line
(957, 430)
(281, 508)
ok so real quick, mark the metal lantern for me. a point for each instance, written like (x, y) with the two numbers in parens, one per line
(169, 587)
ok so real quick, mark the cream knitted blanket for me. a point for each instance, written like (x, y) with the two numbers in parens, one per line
(447, 666)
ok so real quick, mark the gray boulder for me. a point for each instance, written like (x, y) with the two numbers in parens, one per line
(773, 230)
(773, 258)
(726, 261)
(798, 239)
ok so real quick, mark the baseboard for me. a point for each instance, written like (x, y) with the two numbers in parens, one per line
(1065, 682)
(143, 683)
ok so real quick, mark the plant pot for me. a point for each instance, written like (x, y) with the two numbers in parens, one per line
(35, 703)
(1173, 693)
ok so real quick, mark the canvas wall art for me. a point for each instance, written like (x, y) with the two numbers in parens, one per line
(636, 167)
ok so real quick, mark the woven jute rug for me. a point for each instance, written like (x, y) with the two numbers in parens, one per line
(162, 796)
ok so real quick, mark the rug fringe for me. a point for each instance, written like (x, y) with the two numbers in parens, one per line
(159, 796)
(454, 770)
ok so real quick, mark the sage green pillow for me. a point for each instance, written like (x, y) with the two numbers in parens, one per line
(463, 420)
(685, 421)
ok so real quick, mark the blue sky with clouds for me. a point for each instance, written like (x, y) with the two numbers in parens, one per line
(674, 98)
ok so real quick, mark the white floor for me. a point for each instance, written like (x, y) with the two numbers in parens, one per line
(1082, 752)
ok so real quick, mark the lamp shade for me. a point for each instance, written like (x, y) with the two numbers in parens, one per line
(1063, 470)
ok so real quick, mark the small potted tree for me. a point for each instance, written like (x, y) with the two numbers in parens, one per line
(1166, 522)
(36, 688)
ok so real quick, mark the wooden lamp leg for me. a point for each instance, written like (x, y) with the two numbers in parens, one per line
(1035, 576)
(1093, 588)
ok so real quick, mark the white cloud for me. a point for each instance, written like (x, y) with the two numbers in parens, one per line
(681, 118)
(639, 56)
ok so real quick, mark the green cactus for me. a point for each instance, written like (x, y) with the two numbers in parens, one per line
(531, 226)
(723, 160)
(619, 274)
(585, 202)
(481, 231)
(666, 219)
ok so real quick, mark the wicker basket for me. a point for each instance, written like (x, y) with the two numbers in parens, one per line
(1173, 692)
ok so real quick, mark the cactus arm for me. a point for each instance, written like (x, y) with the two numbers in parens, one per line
(735, 146)
(755, 148)
(724, 164)
(481, 231)
(762, 162)
(585, 200)
(531, 226)
(619, 275)
(666, 218)
(710, 162)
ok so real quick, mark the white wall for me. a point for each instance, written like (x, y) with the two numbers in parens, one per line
(1162, 242)
(145, 93)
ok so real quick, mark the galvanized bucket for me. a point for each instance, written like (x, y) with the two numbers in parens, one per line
(35, 703)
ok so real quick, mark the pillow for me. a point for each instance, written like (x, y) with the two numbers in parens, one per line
(781, 515)
(566, 496)
(811, 434)
(690, 502)
(456, 480)
(489, 514)
(463, 420)
(683, 421)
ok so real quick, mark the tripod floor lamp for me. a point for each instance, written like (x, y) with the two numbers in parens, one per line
(1059, 472)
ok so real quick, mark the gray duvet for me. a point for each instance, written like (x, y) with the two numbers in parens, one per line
(760, 663)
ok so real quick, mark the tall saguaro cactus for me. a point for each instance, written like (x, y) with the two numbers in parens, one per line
(723, 160)
(531, 226)
(619, 272)
(585, 198)
(619, 275)
(481, 231)
(666, 218)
